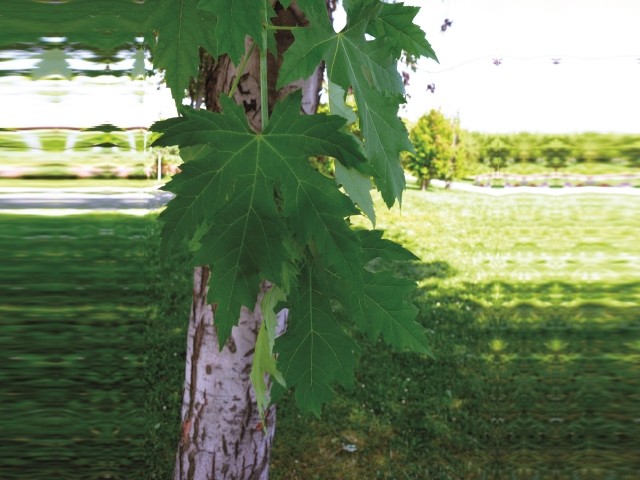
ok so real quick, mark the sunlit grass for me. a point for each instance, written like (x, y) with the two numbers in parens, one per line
(530, 238)
(529, 302)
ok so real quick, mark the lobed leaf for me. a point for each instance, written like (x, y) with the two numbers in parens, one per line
(236, 19)
(395, 25)
(315, 352)
(181, 28)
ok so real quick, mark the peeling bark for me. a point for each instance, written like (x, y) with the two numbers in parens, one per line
(222, 436)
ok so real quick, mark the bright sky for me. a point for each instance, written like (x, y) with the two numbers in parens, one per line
(594, 86)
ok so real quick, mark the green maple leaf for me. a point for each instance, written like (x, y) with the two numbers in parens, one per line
(257, 191)
(390, 313)
(237, 19)
(385, 137)
(315, 352)
(395, 26)
(374, 246)
(181, 28)
(366, 66)
(380, 305)
(387, 306)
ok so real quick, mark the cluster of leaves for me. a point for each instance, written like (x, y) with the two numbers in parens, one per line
(369, 68)
(253, 208)
(249, 204)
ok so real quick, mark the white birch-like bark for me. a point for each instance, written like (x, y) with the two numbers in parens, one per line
(222, 436)
(221, 433)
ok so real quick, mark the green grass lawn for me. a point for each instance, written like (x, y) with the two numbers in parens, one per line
(530, 303)
(73, 303)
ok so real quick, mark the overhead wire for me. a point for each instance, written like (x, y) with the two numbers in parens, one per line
(505, 59)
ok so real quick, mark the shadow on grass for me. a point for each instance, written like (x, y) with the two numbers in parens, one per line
(517, 390)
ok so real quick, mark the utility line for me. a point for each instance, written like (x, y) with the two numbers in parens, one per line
(554, 59)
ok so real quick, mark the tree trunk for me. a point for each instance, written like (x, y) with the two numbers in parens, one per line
(222, 436)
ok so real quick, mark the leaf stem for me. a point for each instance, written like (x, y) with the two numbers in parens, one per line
(264, 92)
(283, 27)
(240, 71)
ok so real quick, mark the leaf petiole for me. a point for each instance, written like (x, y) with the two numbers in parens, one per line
(264, 92)
(240, 71)
(283, 27)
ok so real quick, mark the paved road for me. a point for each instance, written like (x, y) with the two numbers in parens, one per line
(83, 199)
(556, 192)
(151, 199)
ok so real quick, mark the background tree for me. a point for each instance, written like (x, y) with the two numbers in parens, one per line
(556, 154)
(526, 147)
(433, 142)
(496, 153)
(591, 147)
(462, 157)
(631, 153)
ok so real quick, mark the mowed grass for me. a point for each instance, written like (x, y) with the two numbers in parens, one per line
(73, 304)
(92, 345)
(530, 304)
